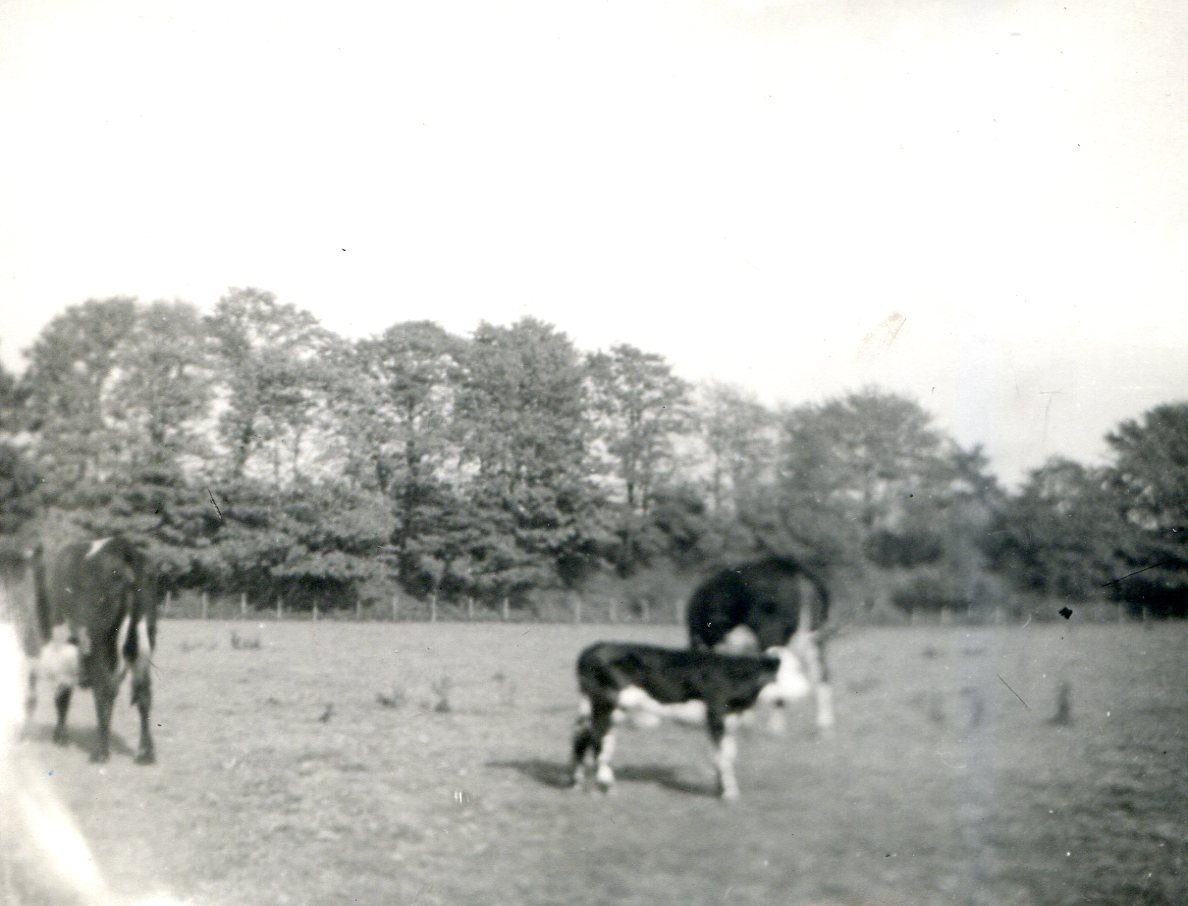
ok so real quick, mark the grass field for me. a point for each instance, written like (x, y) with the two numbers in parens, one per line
(284, 778)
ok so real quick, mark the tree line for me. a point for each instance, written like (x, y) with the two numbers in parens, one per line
(256, 452)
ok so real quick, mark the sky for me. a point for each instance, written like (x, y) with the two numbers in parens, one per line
(983, 206)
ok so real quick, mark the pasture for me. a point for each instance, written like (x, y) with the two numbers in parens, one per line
(343, 763)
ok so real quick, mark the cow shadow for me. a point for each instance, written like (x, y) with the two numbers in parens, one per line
(84, 739)
(558, 775)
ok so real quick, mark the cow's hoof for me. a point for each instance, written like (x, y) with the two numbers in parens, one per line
(728, 796)
(60, 738)
(146, 758)
(99, 757)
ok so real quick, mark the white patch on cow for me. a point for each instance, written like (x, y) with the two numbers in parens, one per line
(140, 664)
(96, 546)
(740, 640)
(60, 662)
(644, 711)
(791, 682)
(585, 709)
(605, 774)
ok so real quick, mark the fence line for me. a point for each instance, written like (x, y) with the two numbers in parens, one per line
(578, 609)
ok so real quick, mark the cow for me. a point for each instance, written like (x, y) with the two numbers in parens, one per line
(94, 619)
(767, 597)
(619, 679)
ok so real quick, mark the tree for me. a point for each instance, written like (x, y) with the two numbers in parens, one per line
(18, 478)
(1150, 471)
(18, 486)
(160, 391)
(639, 408)
(399, 412)
(866, 481)
(739, 434)
(273, 360)
(70, 367)
(522, 425)
(1064, 534)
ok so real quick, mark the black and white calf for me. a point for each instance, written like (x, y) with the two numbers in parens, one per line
(618, 680)
(776, 602)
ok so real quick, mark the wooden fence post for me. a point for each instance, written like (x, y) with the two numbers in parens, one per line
(280, 608)
(506, 609)
(243, 605)
(168, 600)
(433, 607)
(205, 604)
(577, 609)
(358, 610)
(470, 607)
(315, 611)
(395, 608)
(643, 609)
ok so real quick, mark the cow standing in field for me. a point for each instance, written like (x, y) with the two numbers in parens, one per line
(781, 603)
(620, 679)
(91, 617)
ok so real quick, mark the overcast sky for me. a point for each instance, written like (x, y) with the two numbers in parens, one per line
(981, 205)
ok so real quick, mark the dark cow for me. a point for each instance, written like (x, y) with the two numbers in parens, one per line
(619, 679)
(769, 598)
(95, 618)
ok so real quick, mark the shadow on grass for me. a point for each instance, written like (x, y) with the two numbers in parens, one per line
(557, 775)
(83, 738)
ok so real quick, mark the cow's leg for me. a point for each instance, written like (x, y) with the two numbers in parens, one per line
(30, 699)
(818, 672)
(105, 695)
(722, 733)
(142, 697)
(583, 743)
(62, 697)
(603, 732)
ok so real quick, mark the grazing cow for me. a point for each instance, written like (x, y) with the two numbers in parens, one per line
(95, 618)
(768, 598)
(619, 679)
